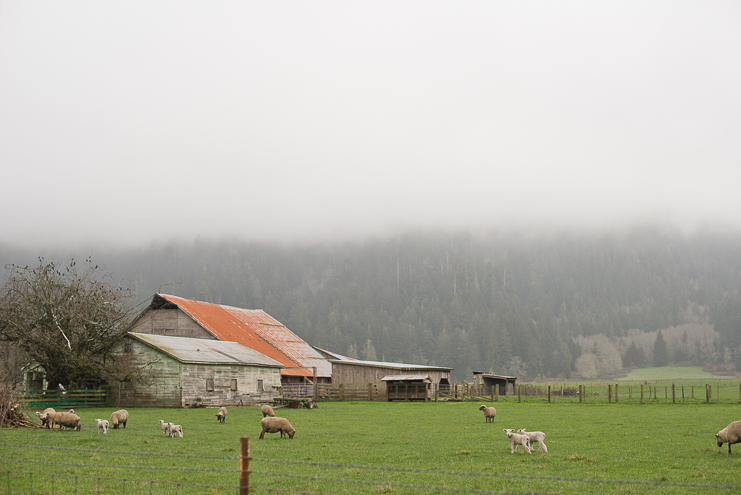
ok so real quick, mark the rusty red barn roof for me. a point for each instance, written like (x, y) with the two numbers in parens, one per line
(256, 329)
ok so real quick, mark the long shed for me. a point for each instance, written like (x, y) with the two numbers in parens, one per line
(505, 383)
(164, 371)
(355, 371)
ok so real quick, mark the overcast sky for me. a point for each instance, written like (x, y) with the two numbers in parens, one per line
(130, 122)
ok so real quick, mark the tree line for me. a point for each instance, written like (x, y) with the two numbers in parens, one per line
(531, 305)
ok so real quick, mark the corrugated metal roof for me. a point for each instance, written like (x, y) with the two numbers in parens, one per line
(339, 358)
(256, 329)
(204, 351)
(405, 378)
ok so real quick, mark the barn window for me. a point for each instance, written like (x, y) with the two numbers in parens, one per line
(209, 384)
(128, 346)
(234, 384)
(260, 386)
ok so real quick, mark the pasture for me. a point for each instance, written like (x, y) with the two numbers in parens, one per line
(399, 448)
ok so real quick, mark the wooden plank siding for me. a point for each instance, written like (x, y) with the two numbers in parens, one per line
(358, 374)
(170, 322)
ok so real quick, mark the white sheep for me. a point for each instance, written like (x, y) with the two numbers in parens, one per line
(221, 415)
(518, 439)
(730, 434)
(165, 427)
(64, 419)
(275, 425)
(534, 436)
(175, 429)
(119, 417)
(102, 424)
(44, 417)
(489, 413)
(267, 411)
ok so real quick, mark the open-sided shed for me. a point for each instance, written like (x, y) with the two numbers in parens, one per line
(408, 387)
(506, 383)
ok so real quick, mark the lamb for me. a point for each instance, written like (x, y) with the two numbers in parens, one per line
(221, 415)
(275, 425)
(489, 413)
(44, 417)
(175, 429)
(165, 428)
(535, 436)
(518, 439)
(267, 411)
(730, 434)
(102, 423)
(119, 417)
(64, 419)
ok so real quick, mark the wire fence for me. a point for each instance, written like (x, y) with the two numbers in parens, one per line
(257, 475)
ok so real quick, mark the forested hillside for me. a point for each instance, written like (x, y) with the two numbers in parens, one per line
(532, 305)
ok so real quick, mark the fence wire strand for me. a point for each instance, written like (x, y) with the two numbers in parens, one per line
(322, 478)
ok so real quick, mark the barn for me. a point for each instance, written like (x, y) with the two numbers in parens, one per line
(163, 371)
(355, 371)
(506, 383)
(253, 328)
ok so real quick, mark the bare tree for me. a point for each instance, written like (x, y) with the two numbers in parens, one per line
(65, 318)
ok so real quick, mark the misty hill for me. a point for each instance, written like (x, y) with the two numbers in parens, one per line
(531, 305)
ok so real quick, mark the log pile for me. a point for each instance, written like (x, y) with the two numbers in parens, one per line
(12, 410)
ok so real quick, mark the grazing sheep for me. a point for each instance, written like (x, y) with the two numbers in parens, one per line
(517, 439)
(165, 428)
(221, 415)
(175, 429)
(489, 413)
(64, 419)
(267, 411)
(102, 423)
(44, 417)
(275, 425)
(534, 436)
(119, 417)
(730, 434)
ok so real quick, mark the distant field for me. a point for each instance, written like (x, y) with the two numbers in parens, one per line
(672, 373)
(399, 448)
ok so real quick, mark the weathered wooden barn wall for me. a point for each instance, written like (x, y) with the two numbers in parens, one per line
(164, 378)
(355, 373)
(194, 380)
(170, 322)
(170, 383)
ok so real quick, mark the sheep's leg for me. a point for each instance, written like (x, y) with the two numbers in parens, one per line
(541, 444)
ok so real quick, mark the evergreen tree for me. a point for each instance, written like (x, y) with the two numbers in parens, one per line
(661, 354)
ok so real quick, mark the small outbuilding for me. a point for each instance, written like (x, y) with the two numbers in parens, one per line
(507, 384)
(408, 387)
(162, 371)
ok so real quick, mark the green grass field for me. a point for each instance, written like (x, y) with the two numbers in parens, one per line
(385, 447)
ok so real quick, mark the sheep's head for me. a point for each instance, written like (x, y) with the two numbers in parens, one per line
(509, 432)
(482, 408)
(521, 431)
(720, 442)
(291, 433)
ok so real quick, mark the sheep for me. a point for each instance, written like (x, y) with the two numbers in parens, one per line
(175, 429)
(221, 415)
(64, 419)
(535, 436)
(165, 428)
(518, 439)
(119, 417)
(275, 425)
(489, 413)
(44, 417)
(102, 423)
(267, 411)
(730, 434)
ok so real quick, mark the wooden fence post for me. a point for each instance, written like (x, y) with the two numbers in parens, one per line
(342, 391)
(496, 392)
(616, 392)
(580, 393)
(674, 395)
(519, 393)
(316, 385)
(707, 393)
(437, 391)
(609, 393)
(244, 467)
(549, 393)
(641, 393)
